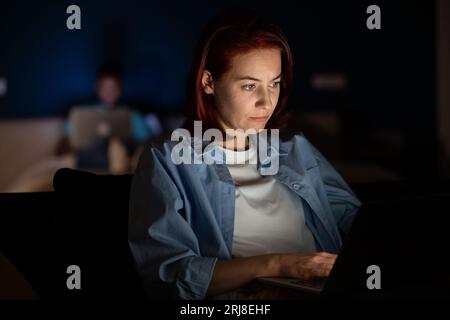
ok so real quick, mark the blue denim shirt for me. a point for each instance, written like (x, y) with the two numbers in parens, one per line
(181, 217)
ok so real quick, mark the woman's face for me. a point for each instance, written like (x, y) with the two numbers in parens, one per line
(247, 94)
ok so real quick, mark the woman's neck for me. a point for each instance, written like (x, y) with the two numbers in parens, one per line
(236, 140)
(235, 143)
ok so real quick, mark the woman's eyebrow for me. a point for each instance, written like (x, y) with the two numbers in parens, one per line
(255, 79)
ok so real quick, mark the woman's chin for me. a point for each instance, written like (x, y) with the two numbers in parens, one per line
(255, 127)
(258, 129)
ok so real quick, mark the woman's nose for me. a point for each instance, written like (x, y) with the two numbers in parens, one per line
(264, 99)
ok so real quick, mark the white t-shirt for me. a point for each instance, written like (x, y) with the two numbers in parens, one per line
(269, 217)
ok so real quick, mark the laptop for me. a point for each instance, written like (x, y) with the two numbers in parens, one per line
(407, 239)
(90, 126)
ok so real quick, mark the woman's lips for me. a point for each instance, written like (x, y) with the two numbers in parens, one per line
(259, 119)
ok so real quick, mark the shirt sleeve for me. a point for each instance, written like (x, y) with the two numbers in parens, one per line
(139, 128)
(343, 201)
(163, 244)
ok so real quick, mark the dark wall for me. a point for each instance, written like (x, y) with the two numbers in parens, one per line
(47, 65)
(390, 72)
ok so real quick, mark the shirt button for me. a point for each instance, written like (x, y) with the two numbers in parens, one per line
(296, 186)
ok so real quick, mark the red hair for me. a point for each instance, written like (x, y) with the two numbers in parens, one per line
(225, 36)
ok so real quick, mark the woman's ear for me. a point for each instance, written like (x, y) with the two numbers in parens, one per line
(207, 82)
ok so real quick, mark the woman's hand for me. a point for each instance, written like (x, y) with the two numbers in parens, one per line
(305, 266)
(234, 273)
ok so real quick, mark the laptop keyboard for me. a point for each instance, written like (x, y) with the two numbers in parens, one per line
(315, 283)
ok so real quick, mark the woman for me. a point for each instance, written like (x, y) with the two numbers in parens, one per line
(199, 230)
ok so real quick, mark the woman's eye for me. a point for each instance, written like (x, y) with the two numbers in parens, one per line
(248, 87)
(275, 84)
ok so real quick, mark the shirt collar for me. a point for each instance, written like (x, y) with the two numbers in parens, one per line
(214, 152)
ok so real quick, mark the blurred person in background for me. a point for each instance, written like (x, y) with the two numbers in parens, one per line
(112, 154)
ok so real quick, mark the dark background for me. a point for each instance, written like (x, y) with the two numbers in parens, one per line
(391, 88)
(390, 72)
